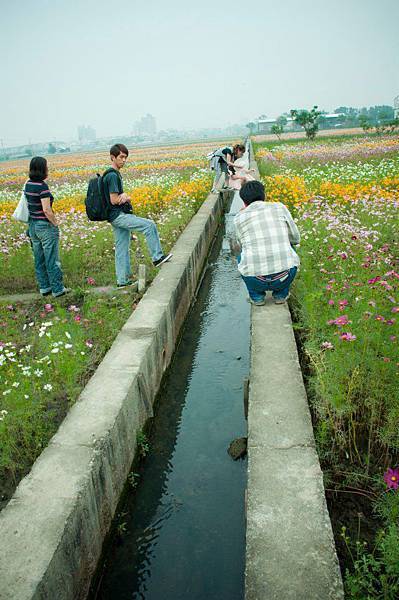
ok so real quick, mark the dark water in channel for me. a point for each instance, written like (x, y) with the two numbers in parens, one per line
(185, 524)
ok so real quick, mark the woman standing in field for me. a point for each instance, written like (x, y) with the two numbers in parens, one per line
(43, 230)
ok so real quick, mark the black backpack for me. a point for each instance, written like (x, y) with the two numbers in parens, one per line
(96, 202)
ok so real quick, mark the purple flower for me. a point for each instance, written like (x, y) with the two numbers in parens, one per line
(391, 478)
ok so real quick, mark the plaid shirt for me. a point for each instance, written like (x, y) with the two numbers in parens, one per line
(265, 231)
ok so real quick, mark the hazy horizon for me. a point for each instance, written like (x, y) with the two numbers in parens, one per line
(191, 66)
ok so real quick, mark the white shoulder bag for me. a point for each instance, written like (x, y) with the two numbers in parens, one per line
(21, 213)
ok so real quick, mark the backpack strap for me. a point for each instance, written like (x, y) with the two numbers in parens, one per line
(110, 170)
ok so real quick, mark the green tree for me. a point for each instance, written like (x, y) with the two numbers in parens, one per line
(308, 119)
(364, 122)
(277, 130)
(251, 126)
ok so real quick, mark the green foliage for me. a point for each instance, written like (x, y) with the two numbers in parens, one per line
(252, 127)
(133, 479)
(308, 120)
(374, 574)
(57, 352)
(142, 444)
(277, 130)
(364, 123)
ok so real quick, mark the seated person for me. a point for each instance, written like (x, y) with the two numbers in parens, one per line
(266, 234)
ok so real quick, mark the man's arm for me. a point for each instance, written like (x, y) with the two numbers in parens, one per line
(118, 198)
(113, 188)
(293, 232)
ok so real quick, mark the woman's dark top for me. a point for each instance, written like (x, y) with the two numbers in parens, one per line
(35, 191)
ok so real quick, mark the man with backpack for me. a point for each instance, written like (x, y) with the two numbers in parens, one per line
(119, 213)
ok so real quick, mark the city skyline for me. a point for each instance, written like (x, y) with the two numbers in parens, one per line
(191, 67)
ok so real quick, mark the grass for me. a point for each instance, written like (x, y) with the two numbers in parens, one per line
(345, 304)
(49, 349)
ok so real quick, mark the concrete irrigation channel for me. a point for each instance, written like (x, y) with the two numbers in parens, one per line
(186, 531)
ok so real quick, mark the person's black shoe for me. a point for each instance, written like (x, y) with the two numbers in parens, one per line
(127, 284)
(46, 293)
(63, 293)
(163, 259)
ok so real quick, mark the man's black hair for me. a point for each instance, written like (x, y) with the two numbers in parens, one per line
(38, 169)
(252, 191)
(116, 149)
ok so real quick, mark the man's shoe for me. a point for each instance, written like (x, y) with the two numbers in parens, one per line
(127, 284)
(46, 293)
(164, 258)
(63, 293)
(281, 300)
(257, 303)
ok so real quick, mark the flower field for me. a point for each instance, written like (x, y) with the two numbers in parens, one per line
(344, 194)
(49, 349)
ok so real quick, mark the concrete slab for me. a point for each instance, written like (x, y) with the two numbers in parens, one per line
(290, 550)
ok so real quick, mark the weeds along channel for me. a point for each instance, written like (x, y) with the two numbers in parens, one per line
(49, 349)
(344, 193)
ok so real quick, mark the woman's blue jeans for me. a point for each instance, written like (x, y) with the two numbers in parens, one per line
(45, 239)
(277, 283)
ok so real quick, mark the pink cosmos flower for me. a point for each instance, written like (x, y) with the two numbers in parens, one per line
(373, 280)
(347, 336)
(391, 478)
(343, 320)
(73, 308)
(327, 346)
(89, 343)
(48, 308)
(77, 318)
(379, 318)
(344, 255)
(395, 309)
(91, 281)
(386, 359)
(331, 302)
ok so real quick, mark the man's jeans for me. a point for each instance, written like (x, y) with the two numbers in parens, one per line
(45, 239)
(122, 226)
(277, 283)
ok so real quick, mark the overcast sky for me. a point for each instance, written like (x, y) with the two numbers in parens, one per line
(206, 64)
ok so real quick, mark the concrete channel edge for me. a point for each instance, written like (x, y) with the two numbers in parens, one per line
(53, 528)
(290, 549)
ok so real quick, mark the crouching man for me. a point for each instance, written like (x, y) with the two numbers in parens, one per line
(266, 234)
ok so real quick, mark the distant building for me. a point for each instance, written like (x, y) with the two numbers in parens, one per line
(28, 150)
(146, 126)
(86, 134)
(396, 107)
